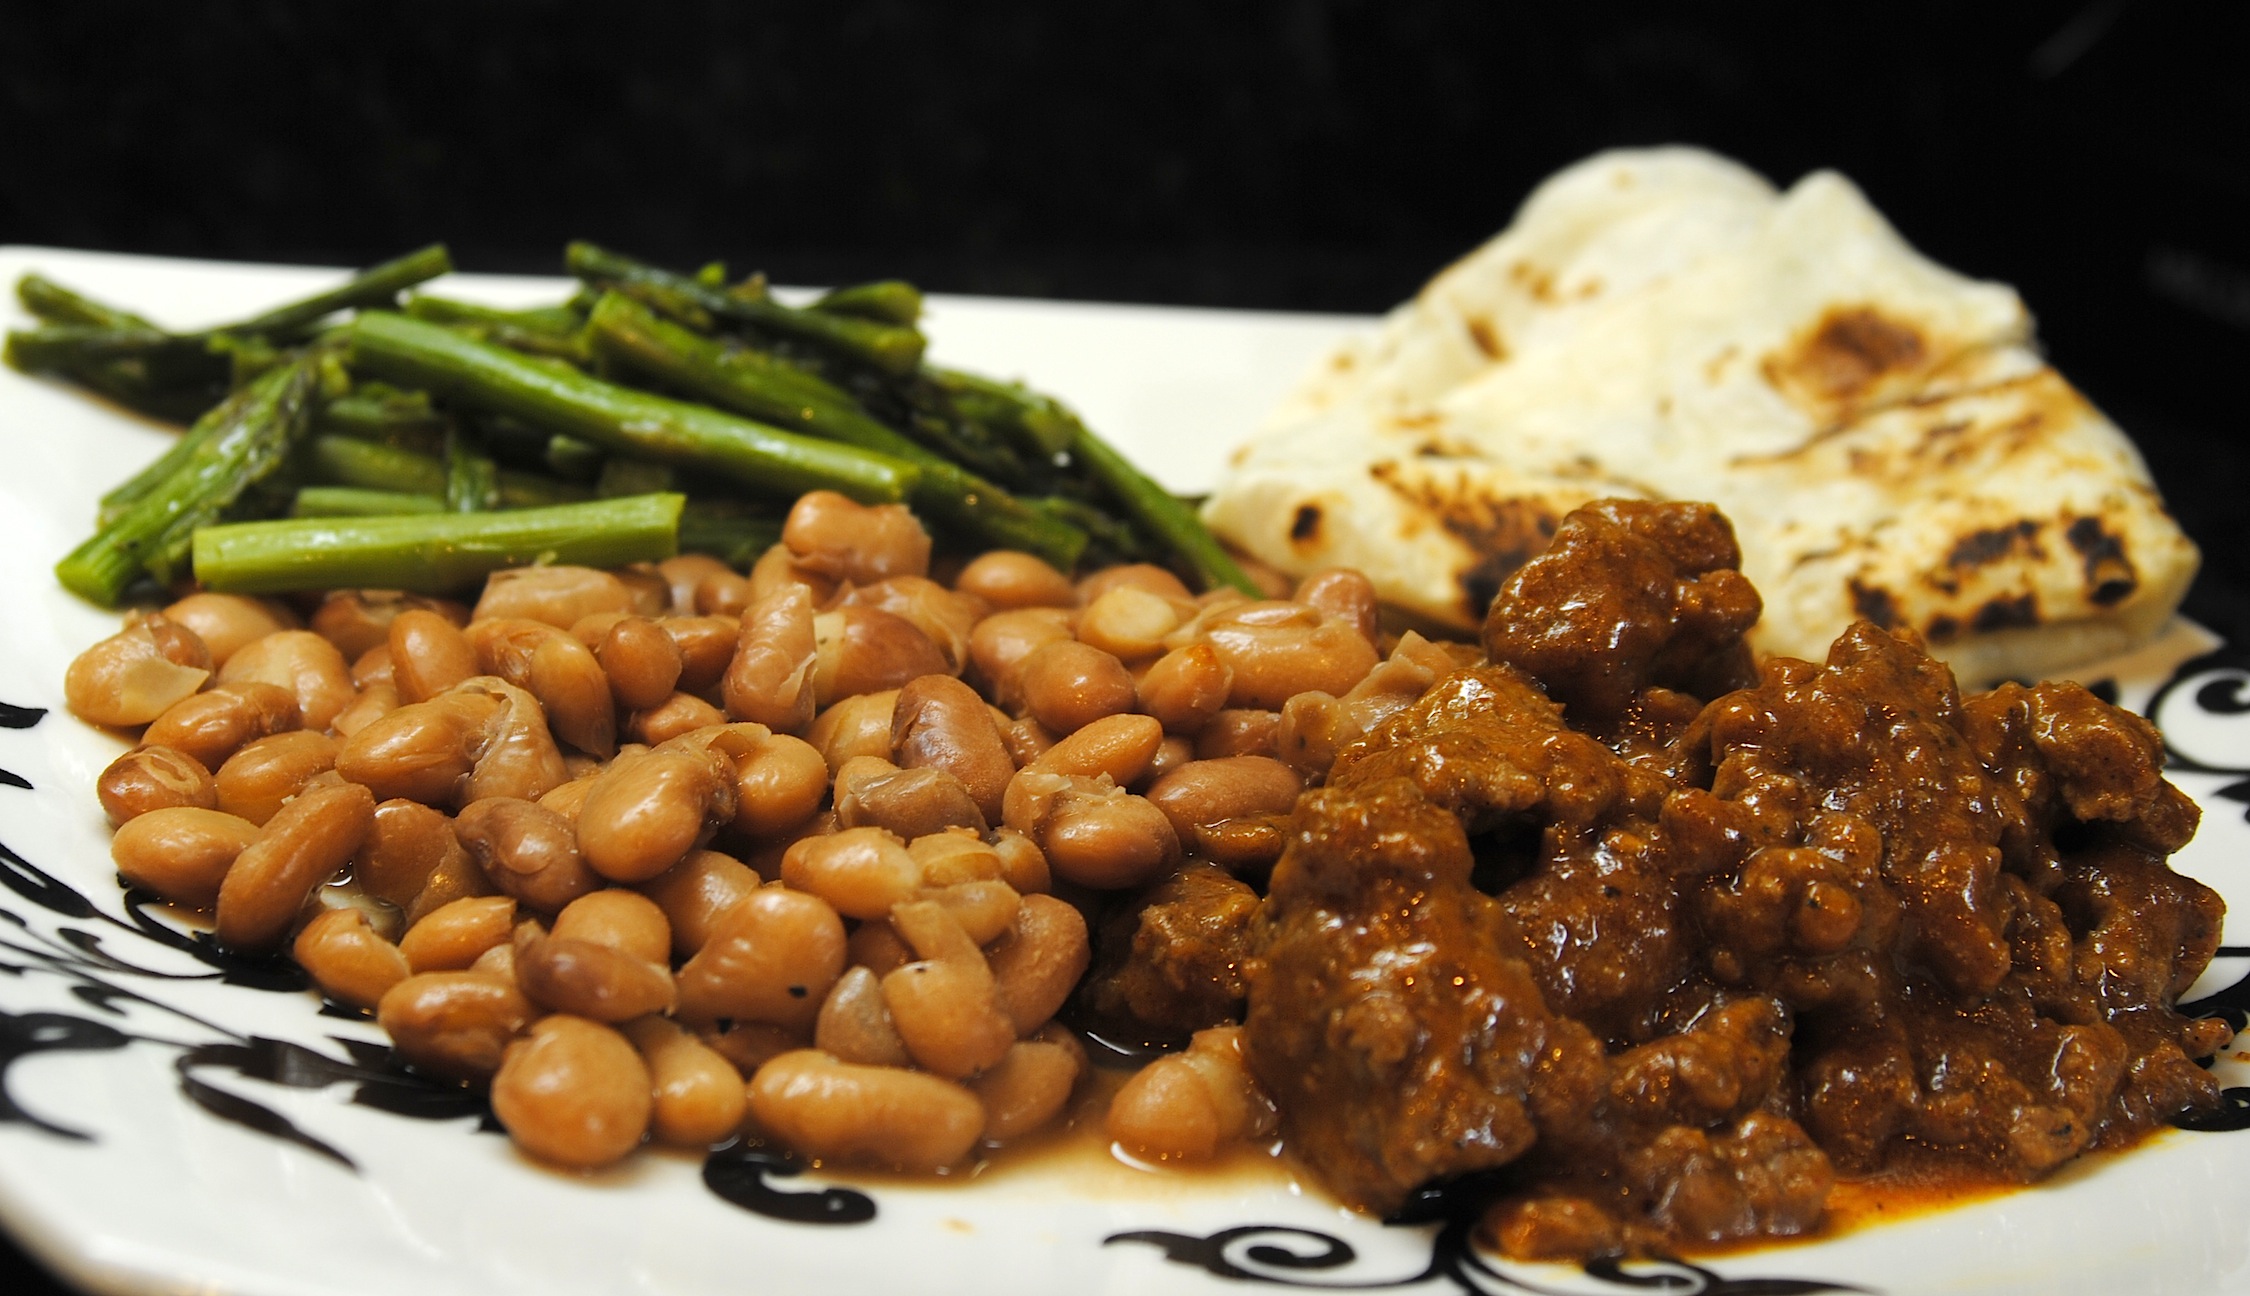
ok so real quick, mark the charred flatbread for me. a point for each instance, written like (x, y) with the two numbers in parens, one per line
(1663, 324)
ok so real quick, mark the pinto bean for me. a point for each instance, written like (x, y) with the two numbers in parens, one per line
(681, 713)
(1000, 642)
(1068, 685)
(682, 572)
(1343, 596)
(226, 622)
(573, 1092)
(1141, 576)
(1129, 622)
(695, 892)
(310, 667)
(1186, 688)
(1038, 963)
(883, 1116)
(181, 853)
(456, 934)
(699, 1098)
(1314, 727)
(424, 752)
(770, 958)
(558, 595)
(357, 621)
(649, 809)
(1230, 808)
(213, 725)
(1009, 578)
(837, 536)
(868, 650)
(724, 593)
(455, 1025)
(1276, 660)
(307, 841)
(256, 780)
(527, 851)
(429, 655)
(642, 661)
(911, 803)
(1023, 865)
(1187, 1106)
(944, 1003)
(1118, 746)
(777, 567)
(347, 959)
(863, 872)
(770, 680)
(856, 726)
(373, 703)
(940, 722)
(622, 920)
(1239, 731)
(137, 674)
(555, 668)
(944, 617)
(1090, 831)
(1027, 1089)
(956, 855)
(706, 644)
(593, 981)
(854, 1026)
(412, 859)
(153, 778)
(778, 784)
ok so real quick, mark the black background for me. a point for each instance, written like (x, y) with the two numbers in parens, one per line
(1326, 155)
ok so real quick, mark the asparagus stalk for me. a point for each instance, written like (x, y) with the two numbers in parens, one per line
(630, 333)
(1161, 512)
(375, 286)
(247, 438)
(414, 353)
(432, 553)
(893, 349)
(889, 301)
(355, 501)
(550, 331)
(55, 304)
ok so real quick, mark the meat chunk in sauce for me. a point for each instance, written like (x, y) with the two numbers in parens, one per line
(1676, 941)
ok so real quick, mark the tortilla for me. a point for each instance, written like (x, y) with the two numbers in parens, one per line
(1662, 324)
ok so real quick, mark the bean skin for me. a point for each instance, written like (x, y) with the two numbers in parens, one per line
(1038, 964)
(1186, 687)
(592, 981)
(455, 935)
(770, 679)
(256, 780)
(455, 1025)
(227, 622)
(347, 959)
(648, 810)
(694, 892)
(137, 674)
(154, 778)
(310, 667)
(182, 853)
(699, 1098)
(880, 1116)
(408, 844)
(558, 595)
(842, 538)
(213, 725)
(642, 661)
(1008, 578)
(770, 958)
(1068, 685)
(868, 650)
(1027, 1089)
(940, 721)
(309, 840)
(573, 1092)
(854, 1026)
(527, 851)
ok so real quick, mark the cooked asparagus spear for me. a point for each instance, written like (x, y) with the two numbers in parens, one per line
(893, 349)
(247, 438)
(558, 399)
(628, 332)
(432, 553)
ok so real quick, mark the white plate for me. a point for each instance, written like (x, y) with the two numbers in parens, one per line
(166, 1129)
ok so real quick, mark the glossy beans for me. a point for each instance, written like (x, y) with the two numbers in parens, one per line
(308, 840)
(573, 1092)
(181, 853)
(866, 1115)
(154, 778)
